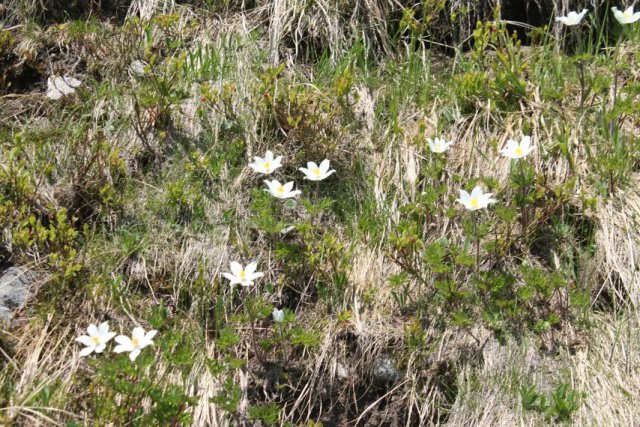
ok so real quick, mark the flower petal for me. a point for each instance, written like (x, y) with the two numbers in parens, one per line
(86, 340)
(124, 340)
(122, 348)
(324, 165)
(230, 277)
(138, 333)
(92, 330)
(103, 328)
(250, 268)
(86, 351)
(476, 192)
(236, 268)
(256, 275)
(134, 354)
(328, 174)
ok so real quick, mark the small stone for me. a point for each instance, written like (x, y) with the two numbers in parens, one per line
(137, 67)
(384, 371)
(14, 291)
(341, 371)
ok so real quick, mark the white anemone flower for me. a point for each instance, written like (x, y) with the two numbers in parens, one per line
(281, 191)
(572, 18)
(313, 172)
(476, 200)
(626, 17)
(266, 164)
(278, 315)
(244, 276)
(515, 150)
(96, 340)
(438, 145)
(57, 86)
(134, 345)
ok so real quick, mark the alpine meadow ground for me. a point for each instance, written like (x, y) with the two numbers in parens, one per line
(317, 213)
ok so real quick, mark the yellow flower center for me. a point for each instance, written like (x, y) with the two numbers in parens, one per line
(627, 14)
(474, 202)
(267, 166)
(316, 171)
(95, 340)
(242, 274)
(519, 151)
(439, 146)
(280, 189)
(135, 342)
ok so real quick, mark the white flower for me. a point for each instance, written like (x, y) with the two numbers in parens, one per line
(57, 86)
(438, 145)
(134, 345)
(313, 172)
(281, 191)
(96, 340)
(243, 276)
(278, 315)
(626, 17)
(572, 18)
(476, 200)
(267, 164)
(515, 150)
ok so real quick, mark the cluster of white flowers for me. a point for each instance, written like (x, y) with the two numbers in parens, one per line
(477, 199)
(98, 336)
(267, 164)
(623, 17)
(245, 276)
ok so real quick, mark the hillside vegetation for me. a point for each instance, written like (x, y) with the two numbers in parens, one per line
(127, 130)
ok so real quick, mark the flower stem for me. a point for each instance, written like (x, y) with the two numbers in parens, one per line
(475, 235)
(582, 85)
(285, 359)
(523, 208)
(254, 342)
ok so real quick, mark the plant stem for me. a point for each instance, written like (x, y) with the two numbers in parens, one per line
(254, 342)
(277, 214)
(582, 85)
(523, 207)
(578, 51)
(475, 234)
(285, 359)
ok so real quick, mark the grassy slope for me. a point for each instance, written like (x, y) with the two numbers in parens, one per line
(151, 172)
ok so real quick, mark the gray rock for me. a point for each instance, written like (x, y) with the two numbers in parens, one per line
(384, 371)
(14, 291)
